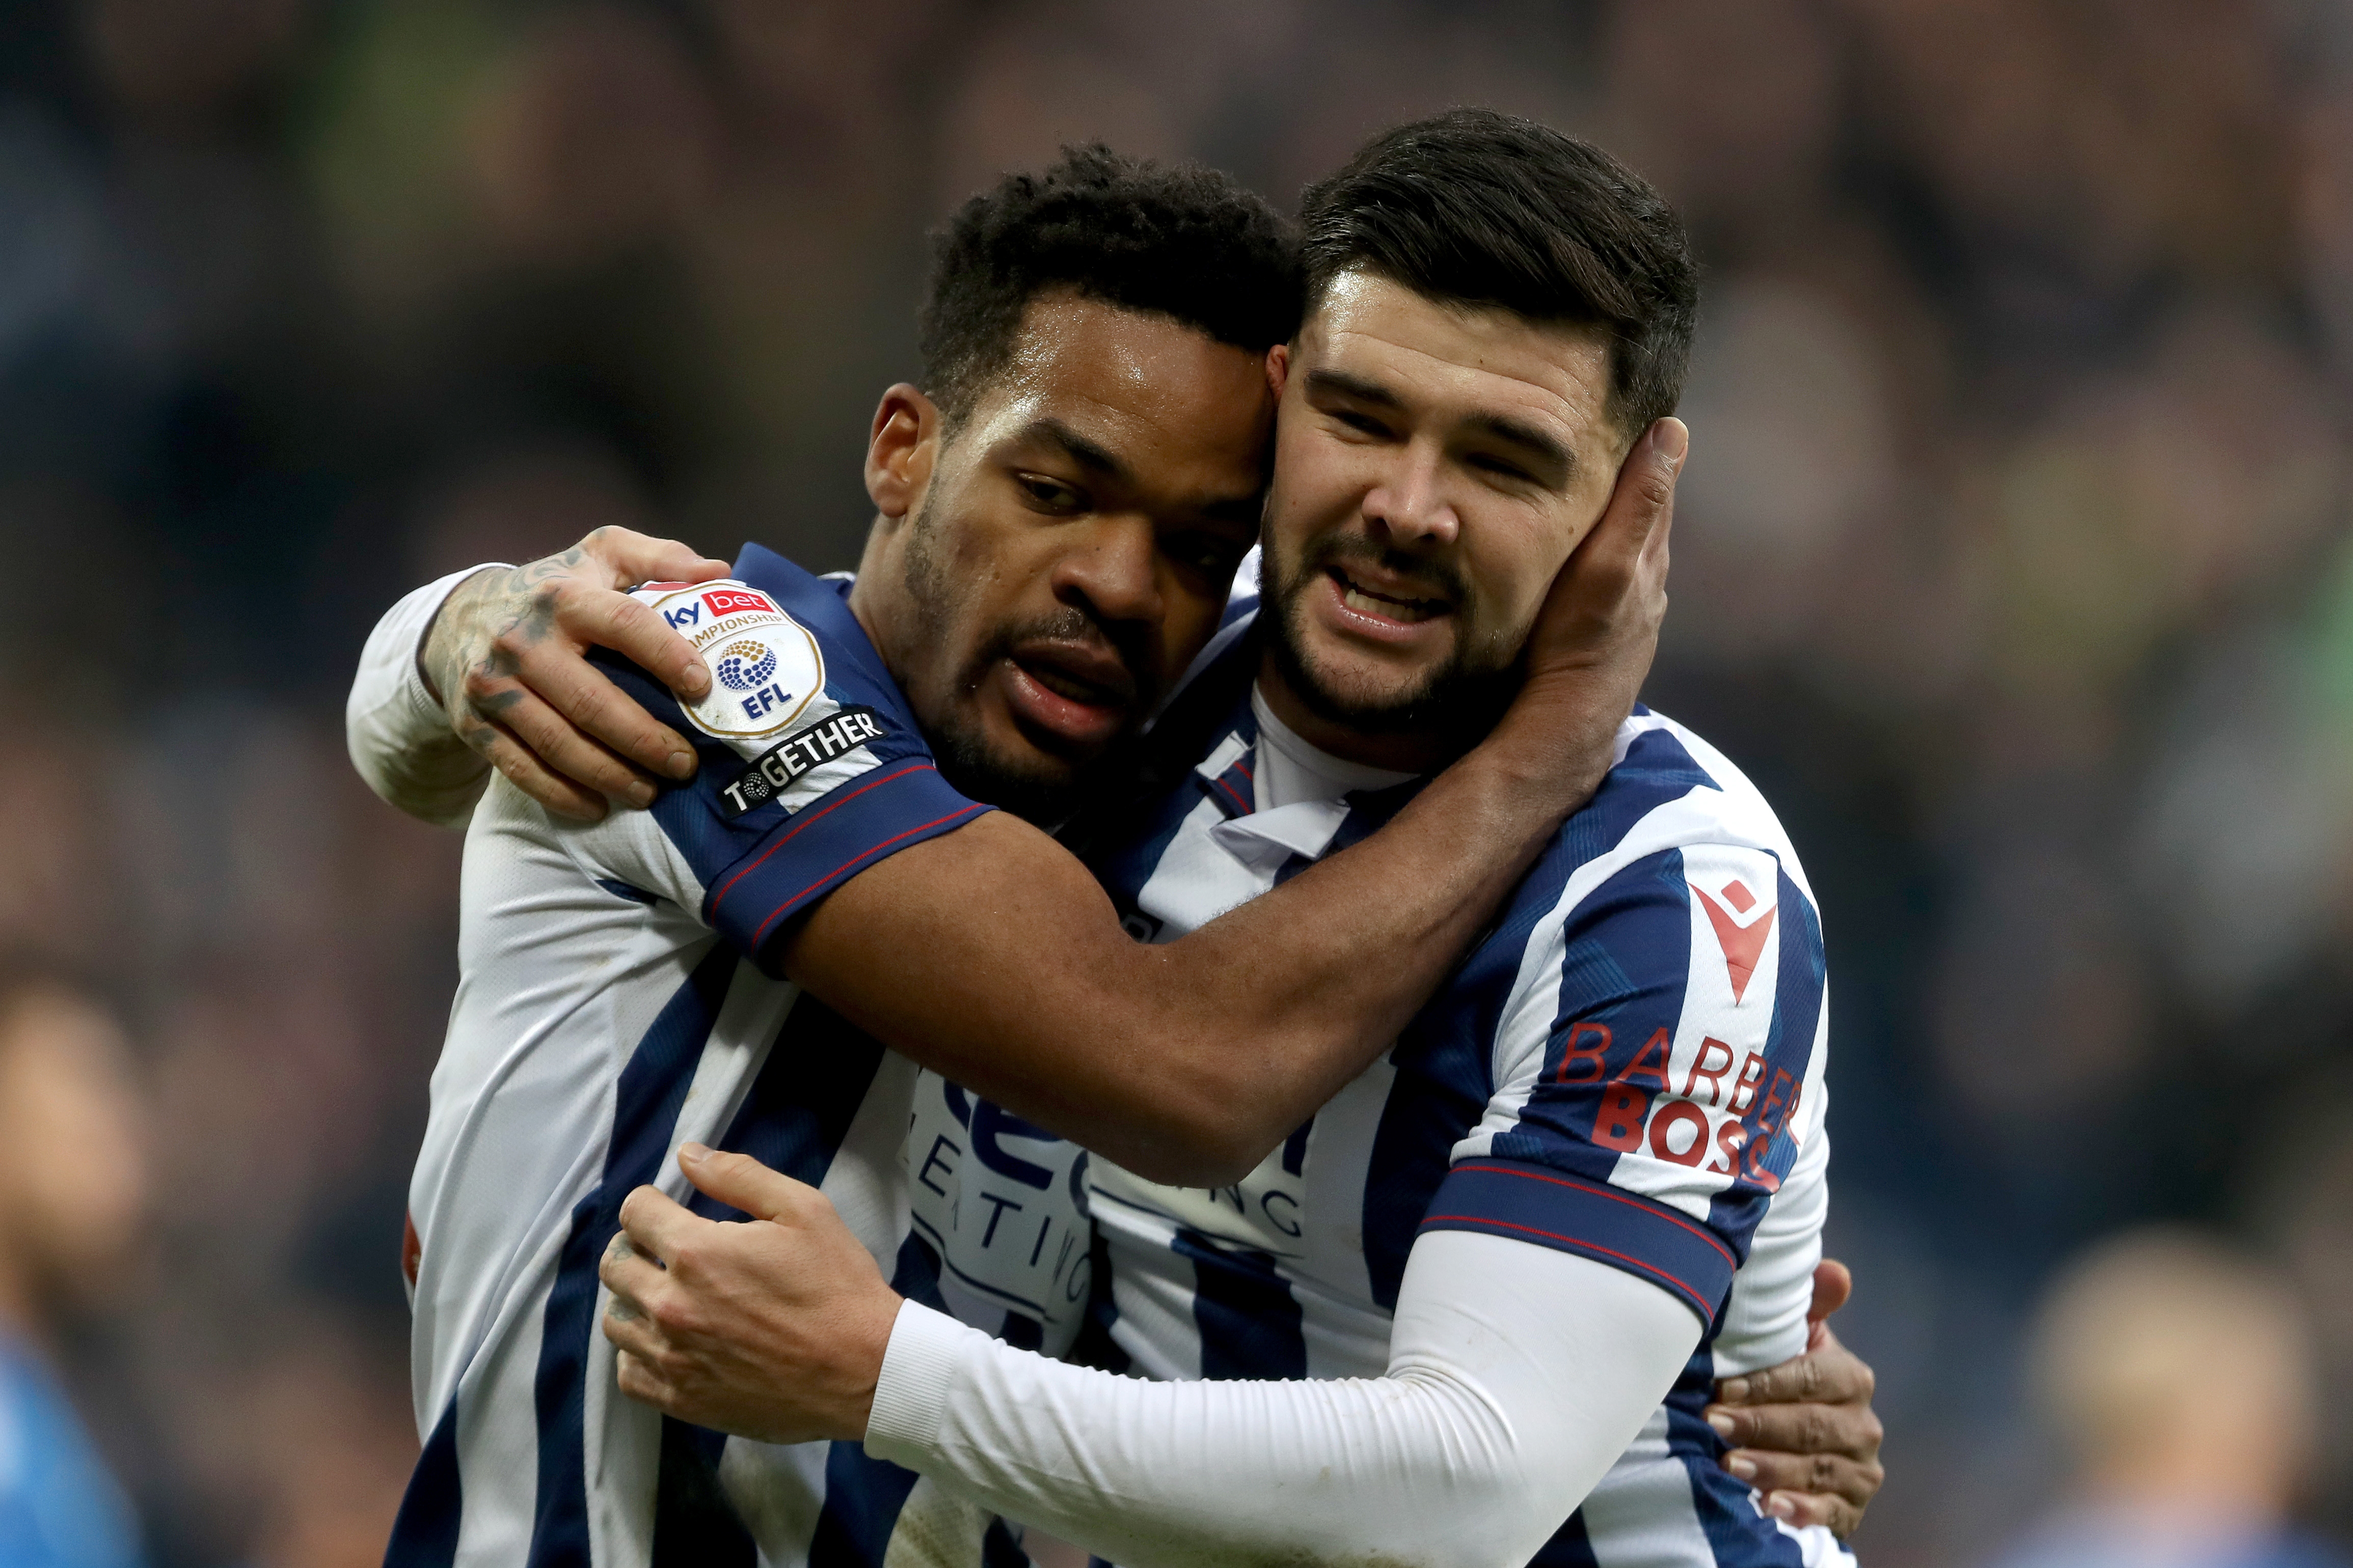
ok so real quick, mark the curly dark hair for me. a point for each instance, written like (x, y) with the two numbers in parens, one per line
(1480, 208)
(1178, 240)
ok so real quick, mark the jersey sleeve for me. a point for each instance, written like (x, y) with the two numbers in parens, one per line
(1493, 1421)
(812, 768)
(1656, 1068)
(398, 737)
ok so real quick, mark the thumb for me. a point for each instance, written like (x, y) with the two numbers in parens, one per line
(1642, 503)
(741, 1182)
(1834, 1283)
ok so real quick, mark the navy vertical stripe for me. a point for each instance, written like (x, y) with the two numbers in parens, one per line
(694, 1524)
(1445, 1056)
(792, 1120)
(797, 1110)
(646, 1104)
(1249, 1319)
(1736, 1537)
(863, 1496)
(425, 1532)
(1569, 1547)
(999, 1550)
(863, 1499)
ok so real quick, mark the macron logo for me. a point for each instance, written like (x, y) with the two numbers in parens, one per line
(1743, 944)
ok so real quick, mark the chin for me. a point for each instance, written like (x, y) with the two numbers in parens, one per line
(1346, 682)
(1441, 700)
(1012, 774)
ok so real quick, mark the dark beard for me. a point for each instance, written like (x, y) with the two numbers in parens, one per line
(1457, 701)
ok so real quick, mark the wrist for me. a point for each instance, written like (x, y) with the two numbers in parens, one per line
(438, 661)
(1556, 743)
(911, 1395)
(872, 1353)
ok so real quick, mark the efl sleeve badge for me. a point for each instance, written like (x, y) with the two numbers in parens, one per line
(766, 666)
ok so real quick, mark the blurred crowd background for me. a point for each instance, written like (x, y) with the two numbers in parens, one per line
(2012, 561)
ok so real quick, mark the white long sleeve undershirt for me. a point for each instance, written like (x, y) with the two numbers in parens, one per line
(398, 737)
(1518, 1375)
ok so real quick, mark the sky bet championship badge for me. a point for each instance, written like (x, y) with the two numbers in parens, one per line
(765, 667)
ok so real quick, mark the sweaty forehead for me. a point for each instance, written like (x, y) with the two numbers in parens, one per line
(1464, 360)
(1144, 385)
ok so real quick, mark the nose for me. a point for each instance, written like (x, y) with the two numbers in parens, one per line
(1411, 501)
(1110, 568)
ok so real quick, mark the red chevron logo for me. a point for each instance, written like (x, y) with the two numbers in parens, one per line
(1743, 945)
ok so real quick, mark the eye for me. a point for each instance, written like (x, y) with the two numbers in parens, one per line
(1205, 553)
(1363, 424)
(1049, 495)
(1502, 469)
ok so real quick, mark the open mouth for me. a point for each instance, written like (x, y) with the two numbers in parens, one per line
(1077, 689)
(1068, 696)
(1406, 610)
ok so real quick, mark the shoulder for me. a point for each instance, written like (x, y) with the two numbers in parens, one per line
(1677, 875)
(1668, 794)
(783, 648)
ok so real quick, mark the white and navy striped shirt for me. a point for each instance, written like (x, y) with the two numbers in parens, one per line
(616, 1002)
(607, 1015)
(1628, 1067)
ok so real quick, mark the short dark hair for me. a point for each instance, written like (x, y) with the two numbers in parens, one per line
(1178, 240)
(1473, 207)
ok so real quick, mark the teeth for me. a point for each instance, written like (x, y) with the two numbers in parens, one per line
(1411, 613)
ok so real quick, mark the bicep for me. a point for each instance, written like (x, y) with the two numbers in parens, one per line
(1573, 1355)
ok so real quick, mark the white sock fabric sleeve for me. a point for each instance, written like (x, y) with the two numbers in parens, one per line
(1517, 1375)
(398, 736)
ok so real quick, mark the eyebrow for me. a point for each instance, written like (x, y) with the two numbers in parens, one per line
(1088, 455)
(1355, 386)
(1545, 449)
(1542, 446)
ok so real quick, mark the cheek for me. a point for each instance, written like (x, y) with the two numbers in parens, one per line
(1316, 480)
(1513, 567)
(1191, 622)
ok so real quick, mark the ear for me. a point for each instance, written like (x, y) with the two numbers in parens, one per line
(900, 449)
(1278, 369)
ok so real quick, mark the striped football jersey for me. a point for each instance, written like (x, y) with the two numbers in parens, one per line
(1628, 1066)
(617, 999)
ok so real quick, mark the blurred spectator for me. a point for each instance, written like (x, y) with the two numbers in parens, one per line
(2177, 1375)
(73, 1196)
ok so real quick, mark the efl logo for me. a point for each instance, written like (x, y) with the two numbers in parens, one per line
(735, 601)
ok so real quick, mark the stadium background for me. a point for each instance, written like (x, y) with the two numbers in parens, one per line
(2012, 561)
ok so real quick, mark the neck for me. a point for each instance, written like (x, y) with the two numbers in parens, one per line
(1401, 751)
(866, 595)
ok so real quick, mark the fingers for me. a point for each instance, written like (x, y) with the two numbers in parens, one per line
(1802, 1509)
(1834, 1283)
(1801, 1431)
(638, 1379)
(1830, 1375)
(632, 1279)
(631, 629)
(587, 714)
(742, 1181)
(529, 774)
(658, 1226)
(1851, 1480)
(555, 744)
(637, 558)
